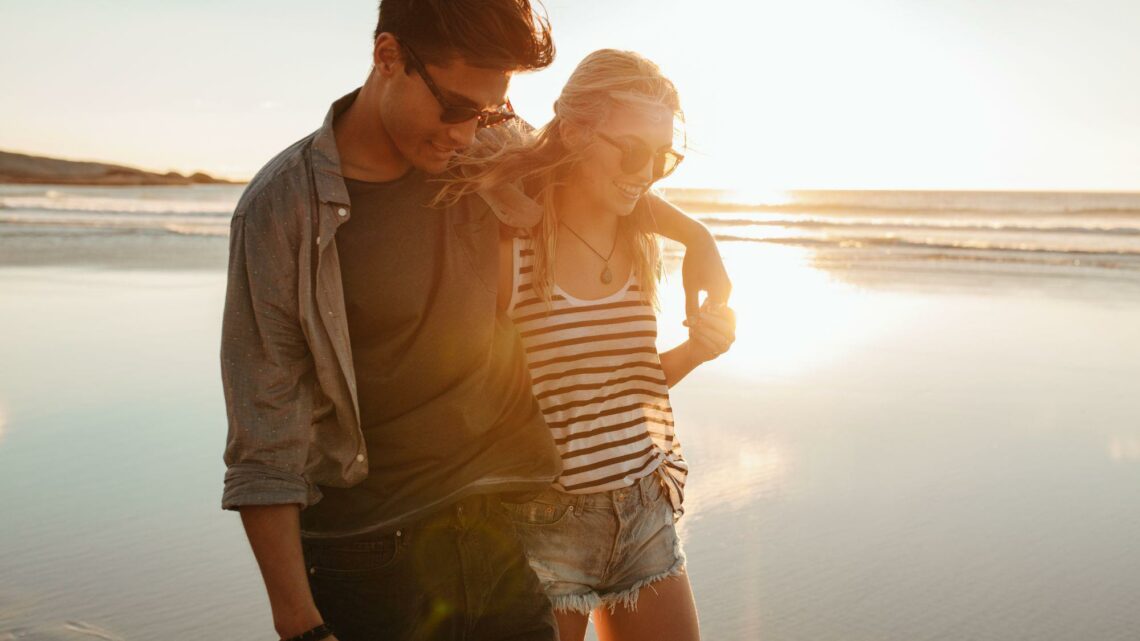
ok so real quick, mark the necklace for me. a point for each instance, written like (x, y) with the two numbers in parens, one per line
(606, 276)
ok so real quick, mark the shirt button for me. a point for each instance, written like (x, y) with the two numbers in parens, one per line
(359, 458)
(342, 212)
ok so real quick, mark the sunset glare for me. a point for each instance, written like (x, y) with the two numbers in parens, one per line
(821, 94)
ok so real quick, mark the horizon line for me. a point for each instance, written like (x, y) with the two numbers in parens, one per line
(245, 180)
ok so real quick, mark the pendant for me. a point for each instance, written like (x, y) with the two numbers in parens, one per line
(607, 276)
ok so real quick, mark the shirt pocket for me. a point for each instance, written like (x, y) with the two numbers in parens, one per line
(478, 239)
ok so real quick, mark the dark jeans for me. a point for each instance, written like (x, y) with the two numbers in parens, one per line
(460, 574)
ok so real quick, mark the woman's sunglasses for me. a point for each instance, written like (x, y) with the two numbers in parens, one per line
(455, 114)
(634, 155)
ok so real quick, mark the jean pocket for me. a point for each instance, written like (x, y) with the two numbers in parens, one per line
(659, 488)
(537, 512)
(353, 560)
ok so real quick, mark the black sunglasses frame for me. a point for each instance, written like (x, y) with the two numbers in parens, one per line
(635, 155)
(455, 114)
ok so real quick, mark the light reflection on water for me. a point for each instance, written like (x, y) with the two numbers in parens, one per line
(913, 456)
(1124, 448)
(792, 316)
(868, 463)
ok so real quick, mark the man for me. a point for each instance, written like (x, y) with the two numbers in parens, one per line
(379, 408)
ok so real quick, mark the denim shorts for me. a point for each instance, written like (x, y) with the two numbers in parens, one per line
(592, 550)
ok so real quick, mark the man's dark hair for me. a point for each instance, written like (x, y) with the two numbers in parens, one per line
(495, 34)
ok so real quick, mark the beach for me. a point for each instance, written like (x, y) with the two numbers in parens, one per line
(929, 427)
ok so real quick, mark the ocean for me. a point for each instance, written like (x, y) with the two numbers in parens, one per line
(1094, 230)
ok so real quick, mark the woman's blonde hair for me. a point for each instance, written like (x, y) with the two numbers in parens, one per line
(542, 161)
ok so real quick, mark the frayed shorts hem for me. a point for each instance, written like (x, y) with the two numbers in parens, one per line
(587, 602)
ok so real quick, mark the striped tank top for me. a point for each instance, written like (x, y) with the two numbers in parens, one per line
(597, 376)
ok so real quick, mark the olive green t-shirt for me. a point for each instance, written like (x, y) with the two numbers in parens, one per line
(446, 406)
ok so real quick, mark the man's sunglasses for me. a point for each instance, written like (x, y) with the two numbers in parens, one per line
(634, 155)
(455, 114)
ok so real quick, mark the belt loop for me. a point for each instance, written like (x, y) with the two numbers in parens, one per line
(579, 503)
(641, 489)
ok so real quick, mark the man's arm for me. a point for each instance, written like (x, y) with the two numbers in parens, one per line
(274, 533)
(267, 378)
(702, 268)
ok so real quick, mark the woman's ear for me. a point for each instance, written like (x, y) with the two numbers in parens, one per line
(574, 136)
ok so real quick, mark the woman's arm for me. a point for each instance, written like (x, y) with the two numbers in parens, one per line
(702, 268)
(678, 362)
(710, 335)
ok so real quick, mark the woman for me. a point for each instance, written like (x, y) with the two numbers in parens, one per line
(581, 291)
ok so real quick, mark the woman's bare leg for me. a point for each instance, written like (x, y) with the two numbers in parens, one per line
(665, 612)
(571, 625)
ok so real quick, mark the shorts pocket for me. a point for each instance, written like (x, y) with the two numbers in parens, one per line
(537, 512)
(659, 491)
(358, 560)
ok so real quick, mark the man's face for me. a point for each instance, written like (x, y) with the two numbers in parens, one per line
(411, 113)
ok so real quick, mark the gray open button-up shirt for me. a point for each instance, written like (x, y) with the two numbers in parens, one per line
(291, 395)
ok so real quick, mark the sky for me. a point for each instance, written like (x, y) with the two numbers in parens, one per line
(796, 94)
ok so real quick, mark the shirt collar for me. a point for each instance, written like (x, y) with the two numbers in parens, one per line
(513, 207)
(327, 172)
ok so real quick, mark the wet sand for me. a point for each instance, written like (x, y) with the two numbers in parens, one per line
(902, 452)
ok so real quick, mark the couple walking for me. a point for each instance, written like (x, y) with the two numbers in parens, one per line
(448, 418)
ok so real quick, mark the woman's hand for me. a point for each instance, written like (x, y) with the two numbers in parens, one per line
(712, 331)
(702, 269)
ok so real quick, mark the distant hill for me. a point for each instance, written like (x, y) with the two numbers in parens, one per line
(24, 169)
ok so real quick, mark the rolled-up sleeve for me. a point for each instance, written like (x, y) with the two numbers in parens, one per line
(267, 368)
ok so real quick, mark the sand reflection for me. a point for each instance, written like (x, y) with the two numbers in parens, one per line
(792, 317)
(1124, 448)
(744, 472)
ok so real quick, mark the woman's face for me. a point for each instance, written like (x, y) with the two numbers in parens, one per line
(601, 177)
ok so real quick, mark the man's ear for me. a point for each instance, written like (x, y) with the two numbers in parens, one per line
(387, 58)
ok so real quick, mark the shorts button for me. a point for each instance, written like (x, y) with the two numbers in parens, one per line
(359, 458)
(342, 212)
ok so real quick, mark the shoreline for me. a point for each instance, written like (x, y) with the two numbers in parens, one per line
(157, 249)
(114, 249)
